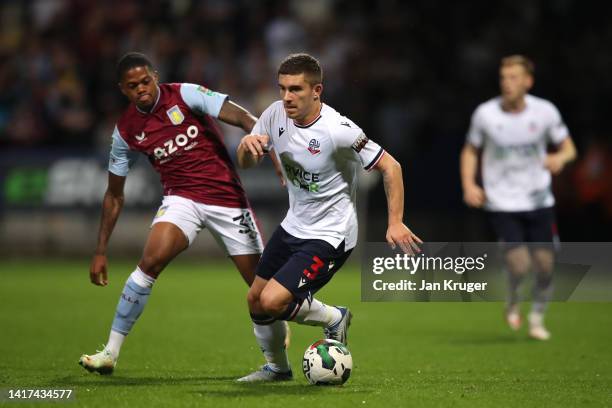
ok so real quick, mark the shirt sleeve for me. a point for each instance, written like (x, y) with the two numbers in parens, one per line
(202, 100)
(557, 130)
(121, 157)
(475, 135)
(350, 136)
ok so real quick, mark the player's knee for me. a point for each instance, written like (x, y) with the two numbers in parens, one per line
(543, 261)
(152, 265)
(543, 268)
(272, 305)
(518, 261)
(519, 269)
(253, 300)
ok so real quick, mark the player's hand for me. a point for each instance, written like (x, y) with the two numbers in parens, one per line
(98, 273)
(257, 145)
(474, 196)
(554, 163)
(400, 235)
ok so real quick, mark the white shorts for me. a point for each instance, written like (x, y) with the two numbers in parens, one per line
(233, 228)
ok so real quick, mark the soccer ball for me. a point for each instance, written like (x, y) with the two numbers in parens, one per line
(327, 362)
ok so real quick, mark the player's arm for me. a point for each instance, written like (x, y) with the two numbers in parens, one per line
(204, 101)
(566, 153)
(121, 160)
(234, 114)
(473, 194)
(251, 151)
(397, 232)
(111, 208)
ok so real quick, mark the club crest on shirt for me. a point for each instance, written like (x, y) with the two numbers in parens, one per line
(360, 142)
(175, 115)
(313, 146)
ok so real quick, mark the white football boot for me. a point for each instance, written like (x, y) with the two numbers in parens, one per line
(536, 327)
(102, 362)
(513, 317)
(266, 374)
(339, 331)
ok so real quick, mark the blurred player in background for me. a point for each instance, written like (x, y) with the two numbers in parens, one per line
(320, 152)
(513, 131)
(172, 124)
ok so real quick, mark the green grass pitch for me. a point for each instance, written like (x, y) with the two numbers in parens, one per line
(195, 338)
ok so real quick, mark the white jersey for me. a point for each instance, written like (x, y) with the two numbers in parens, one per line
(514, 149)
(320, 162)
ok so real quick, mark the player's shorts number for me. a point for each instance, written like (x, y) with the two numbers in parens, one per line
(314, 269)
(180, 140)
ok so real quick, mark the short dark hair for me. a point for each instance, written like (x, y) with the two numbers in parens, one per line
(521, 60)
(132, 60)
(302, 63)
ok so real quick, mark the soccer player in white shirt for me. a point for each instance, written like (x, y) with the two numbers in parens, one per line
(320, 152)
(513, 131)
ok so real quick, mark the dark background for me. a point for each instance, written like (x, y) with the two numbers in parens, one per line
(409, 73)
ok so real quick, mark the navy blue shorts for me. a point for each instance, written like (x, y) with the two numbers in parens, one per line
(519, 227)
(302, 266)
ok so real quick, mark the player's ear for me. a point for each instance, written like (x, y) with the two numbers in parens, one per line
(529, 82)
(317, 90)
(121, 88)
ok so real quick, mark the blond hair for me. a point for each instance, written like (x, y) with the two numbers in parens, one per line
(519, 60)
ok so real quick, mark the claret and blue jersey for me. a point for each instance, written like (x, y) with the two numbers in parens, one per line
(183, 144)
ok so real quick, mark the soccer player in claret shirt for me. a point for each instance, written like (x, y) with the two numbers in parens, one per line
(513, 131)
(320, 151)
(172, 124)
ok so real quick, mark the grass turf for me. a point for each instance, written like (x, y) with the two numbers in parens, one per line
(195, 339)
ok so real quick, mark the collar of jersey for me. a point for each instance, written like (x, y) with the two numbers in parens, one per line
(154, 105)
(311, 123)
(527, 105)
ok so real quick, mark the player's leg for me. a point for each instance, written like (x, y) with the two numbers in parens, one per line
(279, 302)
(246, 265)
(269, 332)
(171, 233)
(541, 233)
(270, 335)
(236, 231)
(165, 242)
(509, 230)
(271, 302)
(288, 296)
(518, 264)
(543, 261)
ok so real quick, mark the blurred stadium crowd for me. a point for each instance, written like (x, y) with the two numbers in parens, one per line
(410, 73)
